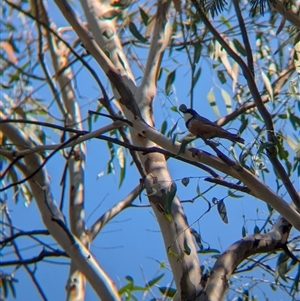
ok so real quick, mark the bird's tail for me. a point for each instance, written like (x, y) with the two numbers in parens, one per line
(236, 138)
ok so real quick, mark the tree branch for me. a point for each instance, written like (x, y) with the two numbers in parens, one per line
(244, 35)
(53, 220)
(286, 13)
(112, 212)
(260, 106)
(225, 265)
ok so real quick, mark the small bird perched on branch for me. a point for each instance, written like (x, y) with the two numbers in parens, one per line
(204, 128)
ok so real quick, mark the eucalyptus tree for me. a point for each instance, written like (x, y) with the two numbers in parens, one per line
(241, 59)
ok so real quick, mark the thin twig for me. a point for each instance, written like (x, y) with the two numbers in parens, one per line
(227, 184)
(244, 35)
(21, 261)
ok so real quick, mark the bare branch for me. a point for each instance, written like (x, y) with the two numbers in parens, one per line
(244, 35)
(227, 184)
(225, 265)
(54, 221)
(20, 259)
(160, 40)
(112, 212)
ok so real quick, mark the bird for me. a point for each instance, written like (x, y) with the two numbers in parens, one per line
(204, 128)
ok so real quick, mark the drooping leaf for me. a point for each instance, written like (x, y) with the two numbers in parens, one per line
(154, 280)
(212, 101)
(170, 197)
(144, 16)
(3, 284)
(221, 76)
(121, 160)
(133, 29)
(167, 291)
(171, 253)
(209, 251)
(26, 194)
(170, 133)
(227, 100)
(215, 201)
(222, 211)
(12, 174)
(196, 77)
(239, 47)
(197, 238)
(233, 195)
(164, 127)
(197, 51)
(153, 191)
(12, 287)
(244, 232)
(186, 248)
(183, 146)
(169, 81)
(268, 84)
(185, 181)
(281, 266)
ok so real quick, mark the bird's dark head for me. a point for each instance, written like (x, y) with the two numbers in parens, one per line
(187, 113)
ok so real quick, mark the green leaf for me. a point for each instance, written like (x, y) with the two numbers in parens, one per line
(183, 146)
(234, 195)
(225, 22)
(185, 181)
(121, 160)
(187, 249)
(208, 251)
(222, 211)
(170, 197)
(170, 133)
(174, 109)
(153, 191)
(164, 127)
(227, 100)
(239, 47)
(154, 280)
(129, 278)
(12, 287)
(256, 230)
(197, 238)
(221, 76)
(144, 16)
(121, 61)
(4, 286)
(268, 84)
(281, 266)
(196, 76)
(169, 81)
(133, 29)
(295, 120)
(171, 253)
(198, 189)
(215, 200)
(244, 232)
(90, 123)
(197, 52)
(244, 124)
(212, 101)
(167, 291)
(12, 174)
